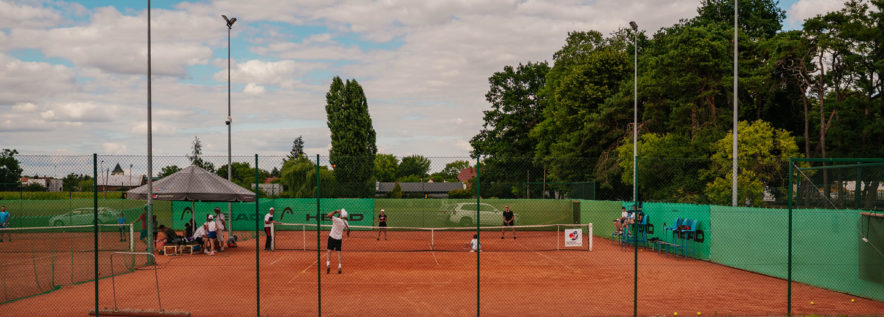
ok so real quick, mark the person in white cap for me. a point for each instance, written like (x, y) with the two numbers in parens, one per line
(382, 225)
(212, 229)
(268, 225)
(335, 236)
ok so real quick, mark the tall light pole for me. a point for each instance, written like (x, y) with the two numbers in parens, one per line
(230, 23)
(635, 113)
(735, 138)
(149, 216)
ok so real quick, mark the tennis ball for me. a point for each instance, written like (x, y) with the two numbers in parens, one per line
(811, 302)
(852, 300)
(698, 314)
(675, 314)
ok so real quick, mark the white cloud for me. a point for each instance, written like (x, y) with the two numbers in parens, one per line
(114, 148)
(805, 9)
(23, 16)
(282, 73)
(252, 89)
(424, 70)
(117, 43)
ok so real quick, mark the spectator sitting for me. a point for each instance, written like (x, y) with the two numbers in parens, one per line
(166, 236)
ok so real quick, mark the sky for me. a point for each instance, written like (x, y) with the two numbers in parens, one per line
(74, 74)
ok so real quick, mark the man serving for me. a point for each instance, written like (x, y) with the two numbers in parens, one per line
(335, 236)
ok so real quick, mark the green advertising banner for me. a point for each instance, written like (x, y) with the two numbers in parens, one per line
(288, 210)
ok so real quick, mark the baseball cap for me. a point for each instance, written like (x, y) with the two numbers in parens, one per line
(271, 208)
(343, 212)
(210, 217)
(382, 210)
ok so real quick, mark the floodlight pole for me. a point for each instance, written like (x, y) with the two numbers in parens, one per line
(635, 163)
(149, 217)
(229, 122)
(635, 111)
(735, 138)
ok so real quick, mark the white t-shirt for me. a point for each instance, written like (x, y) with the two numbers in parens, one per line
(200, 232)
(213, 227)
(218, 221)
(474, 244)
(337, 230)
(267, 217)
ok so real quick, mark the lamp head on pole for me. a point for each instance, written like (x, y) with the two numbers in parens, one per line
(633, 25)
(230, 22)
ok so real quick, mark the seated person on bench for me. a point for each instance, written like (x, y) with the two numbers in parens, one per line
(165, 236)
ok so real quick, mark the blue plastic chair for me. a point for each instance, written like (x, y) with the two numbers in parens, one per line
(690, 234)
(673, 228)
(642, 230)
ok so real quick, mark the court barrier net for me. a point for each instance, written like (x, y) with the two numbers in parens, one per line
(35, 260)
(527, 238)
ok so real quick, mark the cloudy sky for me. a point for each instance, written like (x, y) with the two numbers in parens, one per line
(73, 74)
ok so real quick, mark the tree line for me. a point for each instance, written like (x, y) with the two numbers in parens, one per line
(813, 92)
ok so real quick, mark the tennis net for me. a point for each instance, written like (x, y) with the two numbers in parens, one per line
(111, 237)
(295, 236)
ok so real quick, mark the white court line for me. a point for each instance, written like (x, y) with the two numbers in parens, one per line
(277, 260)
(551, 259)
(434, 257)
(303, 271)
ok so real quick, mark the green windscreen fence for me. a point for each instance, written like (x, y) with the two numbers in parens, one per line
(601, 214)
(663, 215)
(287, 210)
(440, 213)
(826, 247)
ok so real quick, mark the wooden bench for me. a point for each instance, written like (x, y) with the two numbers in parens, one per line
(178, 249)
(668, 245)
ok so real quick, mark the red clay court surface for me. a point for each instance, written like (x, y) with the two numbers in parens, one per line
(518, 282)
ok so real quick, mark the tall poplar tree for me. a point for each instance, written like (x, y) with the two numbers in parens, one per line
(352, 138)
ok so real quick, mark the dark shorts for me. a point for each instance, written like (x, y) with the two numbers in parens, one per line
(334, 244)
(382, 224)
(213, 235)
(143, 234)
(512, 223)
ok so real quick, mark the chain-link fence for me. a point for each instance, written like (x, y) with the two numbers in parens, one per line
(438, 236)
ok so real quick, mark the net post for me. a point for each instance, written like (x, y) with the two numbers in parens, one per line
(131, 237)
(789, 267)
(95, 223)
(304, 236)
(557, 238)
(272, 234)
(432, 239)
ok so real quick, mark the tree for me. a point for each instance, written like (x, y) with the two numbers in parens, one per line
(297, 149)
(396, 192)
(757, 18)
(196, 159)
(35, 187)
(243, 174)
(764, 154)
(414, 165)
(295, 179)
(275, 172)
(516, 107)
(386, 166)
(71, 182)
(353, 146)
(10, 171)
(172, 169)
(578, 126)
(450, 172)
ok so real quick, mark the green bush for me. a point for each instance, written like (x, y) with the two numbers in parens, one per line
(460, 193)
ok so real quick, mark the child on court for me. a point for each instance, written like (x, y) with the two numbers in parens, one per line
(212, 229)
(335, 236)
(474, 244)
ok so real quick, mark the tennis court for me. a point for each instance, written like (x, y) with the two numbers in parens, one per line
(381, 283)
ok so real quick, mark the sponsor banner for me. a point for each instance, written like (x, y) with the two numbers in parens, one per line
(573, 237)
(288, 210)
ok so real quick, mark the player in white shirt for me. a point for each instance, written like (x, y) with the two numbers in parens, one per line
(335, 236)
(268, 229)
(474, 244)
(212, 229)
(220, 223)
